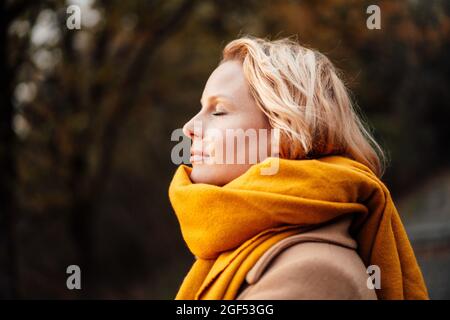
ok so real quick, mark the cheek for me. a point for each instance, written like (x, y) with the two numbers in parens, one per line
(254, 142)
(217, 169)
(258, 129)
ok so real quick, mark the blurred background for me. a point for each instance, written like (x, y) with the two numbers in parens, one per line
(86, 117)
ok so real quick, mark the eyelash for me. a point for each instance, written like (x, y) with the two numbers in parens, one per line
(219, 113)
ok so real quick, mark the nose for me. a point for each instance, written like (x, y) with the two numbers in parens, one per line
(188, 129)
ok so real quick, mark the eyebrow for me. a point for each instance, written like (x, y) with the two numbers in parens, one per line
(218, 97)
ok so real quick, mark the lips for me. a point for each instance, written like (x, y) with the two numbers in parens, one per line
(198, 156)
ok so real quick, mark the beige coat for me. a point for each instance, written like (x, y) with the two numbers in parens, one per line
(317, 264)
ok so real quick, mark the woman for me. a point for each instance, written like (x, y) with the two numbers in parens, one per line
(318, 223)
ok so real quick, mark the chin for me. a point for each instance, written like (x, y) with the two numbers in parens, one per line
(210, 174)
(216, 174)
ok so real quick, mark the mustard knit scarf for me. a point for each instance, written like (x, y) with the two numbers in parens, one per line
(228, 228)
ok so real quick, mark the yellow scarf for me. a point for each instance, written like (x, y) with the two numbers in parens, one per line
(228, 228)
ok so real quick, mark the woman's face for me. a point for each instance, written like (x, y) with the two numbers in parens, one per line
(227, 109)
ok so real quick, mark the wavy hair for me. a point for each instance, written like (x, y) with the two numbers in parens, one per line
(301, 93)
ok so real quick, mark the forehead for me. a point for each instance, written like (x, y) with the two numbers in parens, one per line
(227, 79)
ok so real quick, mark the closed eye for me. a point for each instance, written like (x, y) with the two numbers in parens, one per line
(218, 113)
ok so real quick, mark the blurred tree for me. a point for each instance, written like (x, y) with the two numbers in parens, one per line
(12, 56)
(87, 84)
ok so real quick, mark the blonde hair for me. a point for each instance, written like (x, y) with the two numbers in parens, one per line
(301, 93)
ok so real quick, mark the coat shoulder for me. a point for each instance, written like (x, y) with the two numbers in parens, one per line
(308, 270)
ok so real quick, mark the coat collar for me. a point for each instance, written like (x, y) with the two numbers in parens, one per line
(334, 232)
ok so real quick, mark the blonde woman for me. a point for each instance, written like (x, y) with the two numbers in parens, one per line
(322, 225)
